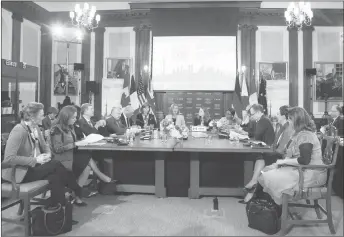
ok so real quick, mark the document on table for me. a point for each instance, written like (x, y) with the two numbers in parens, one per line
(90, 139)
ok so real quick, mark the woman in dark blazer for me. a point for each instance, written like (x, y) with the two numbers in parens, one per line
(203, 117)
(63, 139)
(145, 118)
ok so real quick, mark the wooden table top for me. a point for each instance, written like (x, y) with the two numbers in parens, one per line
(217, 145)
(190, 145)
(138, 145)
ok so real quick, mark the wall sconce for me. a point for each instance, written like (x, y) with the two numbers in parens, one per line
(145, 68)
(243, 69)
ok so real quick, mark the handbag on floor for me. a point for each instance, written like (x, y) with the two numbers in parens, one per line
(50, 221)
(264, 215)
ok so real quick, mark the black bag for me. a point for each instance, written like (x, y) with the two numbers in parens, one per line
(264, 215)
(107, 188)
(47, 221)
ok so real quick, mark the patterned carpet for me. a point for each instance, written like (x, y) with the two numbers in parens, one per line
(147, 215)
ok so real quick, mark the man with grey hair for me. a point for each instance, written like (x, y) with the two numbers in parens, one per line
(87, 125)
(114, 124)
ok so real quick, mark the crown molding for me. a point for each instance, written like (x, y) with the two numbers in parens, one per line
(208, 4)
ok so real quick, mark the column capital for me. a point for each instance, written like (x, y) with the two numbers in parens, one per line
(292, 28)
(308, 28)
(142, 27)
(99, 30)
(247, 27)
(16, 16)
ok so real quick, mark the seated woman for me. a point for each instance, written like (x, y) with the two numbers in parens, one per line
(203, 117)
(63, 138)
(27, 148)
(303, 148)
(82, 160)
(145, 118)
(263, 132)
(230, 119)
(175, 116)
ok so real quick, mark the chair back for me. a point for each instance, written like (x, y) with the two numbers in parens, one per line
(329, 149)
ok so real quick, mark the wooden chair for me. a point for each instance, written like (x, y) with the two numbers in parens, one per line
(13, 194)
(330, 150)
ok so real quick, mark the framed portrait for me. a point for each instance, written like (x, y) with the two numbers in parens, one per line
(273, 70)
(328, 81)
(61, 73)
(118, 68)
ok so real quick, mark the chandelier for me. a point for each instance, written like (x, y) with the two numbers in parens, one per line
(85, 17)
(298, 14)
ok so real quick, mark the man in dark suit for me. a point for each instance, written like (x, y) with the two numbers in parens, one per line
(126, 116)
(46, 122)
(114, 123)
(88, 126)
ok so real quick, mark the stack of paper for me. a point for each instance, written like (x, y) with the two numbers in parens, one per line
(235, 135)
(90, 139)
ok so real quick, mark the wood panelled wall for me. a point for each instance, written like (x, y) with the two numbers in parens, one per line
(250, 16)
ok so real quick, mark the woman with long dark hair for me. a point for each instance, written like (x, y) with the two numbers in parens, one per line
(63, 138)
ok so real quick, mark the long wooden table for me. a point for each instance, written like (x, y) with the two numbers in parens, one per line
(199, 145)
(159, 150)
(193, 147)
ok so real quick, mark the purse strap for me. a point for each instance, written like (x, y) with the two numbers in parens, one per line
(46, 212)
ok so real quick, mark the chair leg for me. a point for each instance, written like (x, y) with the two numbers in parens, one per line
(317, 209)
(20, 208)
(27, 215)
(329, 215)
(284, 216)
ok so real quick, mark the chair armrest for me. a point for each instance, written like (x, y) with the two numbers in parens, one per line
(311, 166)
(300, 169)
(15, 186)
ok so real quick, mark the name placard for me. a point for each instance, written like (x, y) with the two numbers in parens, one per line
(15, 64)
(198, 129)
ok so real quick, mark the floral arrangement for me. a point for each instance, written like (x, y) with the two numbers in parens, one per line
(168, 127)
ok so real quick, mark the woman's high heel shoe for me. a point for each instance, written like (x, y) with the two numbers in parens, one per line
(251, 190)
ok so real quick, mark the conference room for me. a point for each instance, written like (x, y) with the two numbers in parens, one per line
(172, 118)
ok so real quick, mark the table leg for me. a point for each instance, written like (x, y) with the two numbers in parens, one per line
(160, 190)
(248, 171)
(194, 189)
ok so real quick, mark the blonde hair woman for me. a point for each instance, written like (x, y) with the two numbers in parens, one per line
(175, 116)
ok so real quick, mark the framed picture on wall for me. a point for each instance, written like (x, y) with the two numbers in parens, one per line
(118, 68)
(273, 70)
(328, 81)
(60, 80)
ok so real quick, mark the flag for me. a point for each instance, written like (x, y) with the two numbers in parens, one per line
(262, 93)
(244, 93)
(132, 85)
(236, 101)
(141, 92)
(253, 97)
(125, 100)
(151, 100)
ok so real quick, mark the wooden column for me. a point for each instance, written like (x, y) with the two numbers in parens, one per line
(142, 51)
(248, 53)
(98, 68)
(46, 66)
(16, 36)
(86, 60)
(293, 66)
(307, 64)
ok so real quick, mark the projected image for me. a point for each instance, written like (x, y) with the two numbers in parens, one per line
(194, 63)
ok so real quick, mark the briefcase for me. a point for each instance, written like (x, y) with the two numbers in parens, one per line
(264, 215)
